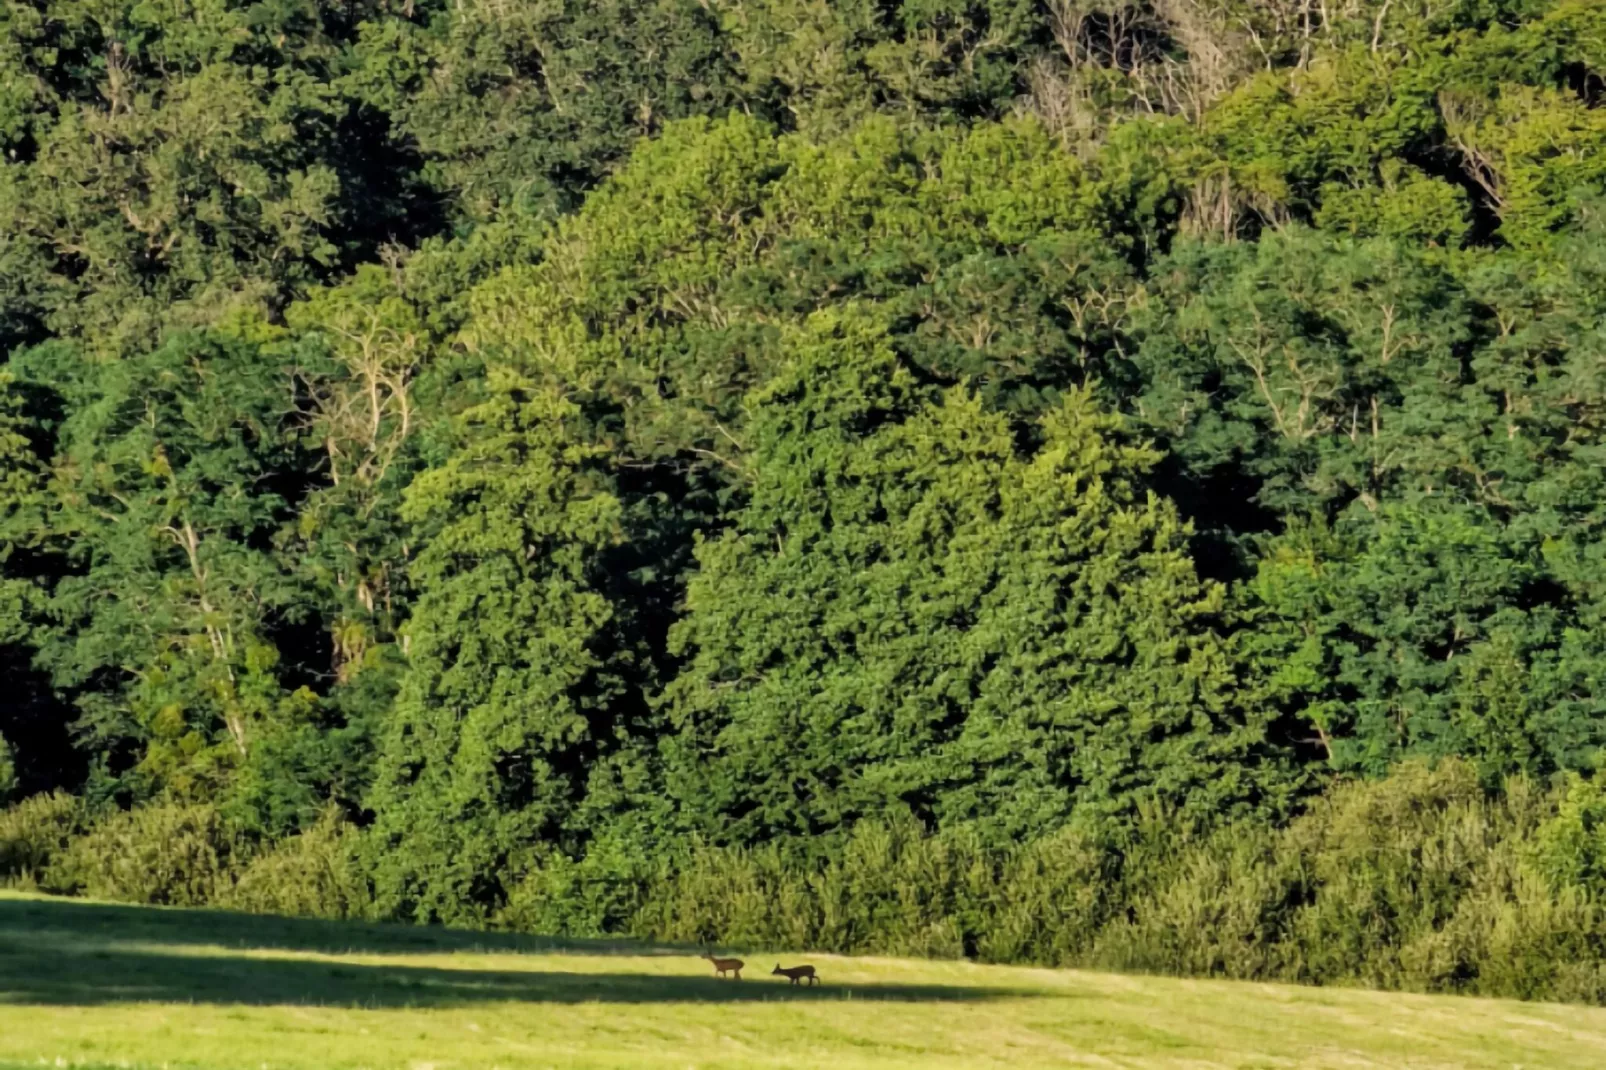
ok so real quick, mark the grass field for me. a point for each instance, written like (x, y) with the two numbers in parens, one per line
(96, 985)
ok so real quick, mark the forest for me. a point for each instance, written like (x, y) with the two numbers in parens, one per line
(1079, 482)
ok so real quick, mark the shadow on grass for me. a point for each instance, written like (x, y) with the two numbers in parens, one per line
(102, 922)
(74, 954)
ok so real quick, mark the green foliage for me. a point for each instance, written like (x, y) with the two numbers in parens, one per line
(164, 482)
(1391, 862)
(1415, 882)
(1418, 882)
(600, 893)
(163, 853)
(909, 617)
(969, 477)
(21, 471)
(165, 161)
(36, 750)
(1410, 459)
(515, 655)
(987, 250)
(35, 832)
(890, 890)
(8, 770)
(832, 63)
(518, 109)
(314, 874)
(1570, 849)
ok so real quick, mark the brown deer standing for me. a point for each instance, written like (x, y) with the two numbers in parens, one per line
(796, 973)
(721, 965)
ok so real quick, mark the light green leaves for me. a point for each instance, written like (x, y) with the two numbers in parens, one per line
(911, 616)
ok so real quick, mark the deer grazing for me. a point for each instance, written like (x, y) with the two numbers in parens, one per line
(796, 973)
(722, 965)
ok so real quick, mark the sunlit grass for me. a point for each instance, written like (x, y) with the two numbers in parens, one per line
(97, 985)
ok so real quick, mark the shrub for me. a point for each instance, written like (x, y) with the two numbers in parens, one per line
(598, 894)
(8, 770)
(731, 896)
(34, 832)
(1051, 898)
(1423, 880)
(1512, 936)
(1570, 849)
(311, 875)
(166, 853)
(891, 889)
(1389, 862)
(1220, 913)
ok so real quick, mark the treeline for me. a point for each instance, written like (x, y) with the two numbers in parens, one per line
(1073, 482)
(1424, 880)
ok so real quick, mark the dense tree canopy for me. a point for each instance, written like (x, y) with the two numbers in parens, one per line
(552, 434)
(907, 614)
(515, 654)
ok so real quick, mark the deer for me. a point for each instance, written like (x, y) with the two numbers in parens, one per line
(722, 965)
(796, 973)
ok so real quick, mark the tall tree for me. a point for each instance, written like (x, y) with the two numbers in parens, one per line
(518, 109)
(167, 484)
(166, 162)
(517, 685)
(1413, 432)
(909, 616)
